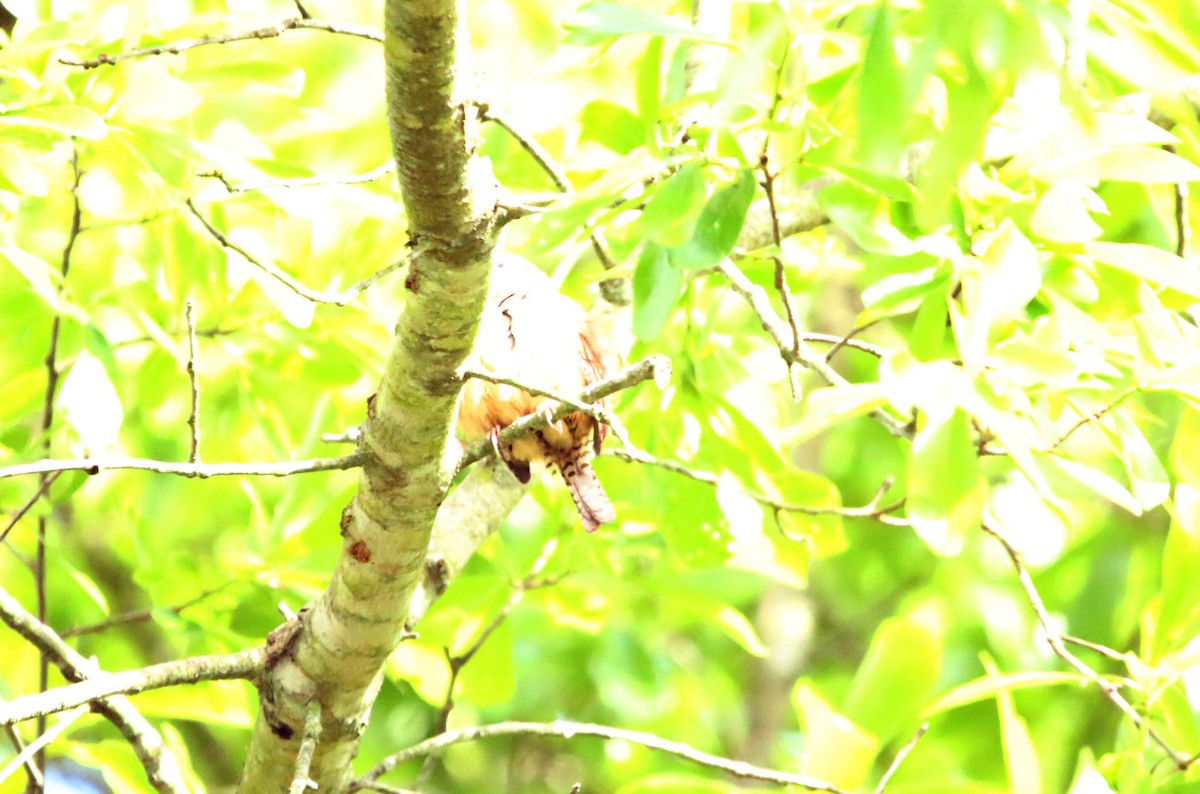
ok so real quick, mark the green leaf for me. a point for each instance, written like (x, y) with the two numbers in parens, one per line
(611, 126)
(1150, 264)
(897, 676)
(946, 490)
(1063, 214)
(615, 19)
(1096, 481)
(719, 225)
(1007, 277)
(1124, 164)
(882, 110)
(1147, 478)
(67, 120)
(989, 686)
(1184, 460)
(838, 751)
(862, 214)
(901, 293)
(648, 88)
(831, 405)
(1180, 585)
(672, 213)
(1020, 756)
(656, 289)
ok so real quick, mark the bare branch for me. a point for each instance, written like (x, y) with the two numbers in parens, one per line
(872, 509)
(900, 756)
(615, 290)
(564, 729)
(139, 615)
(161, 769)
(760, 304)
(657, 368)
(457, 663)
(1095, 416)
(269, 32)
(199, 470)
(241, 665)
(309, 181)
(34, 777)
(38, 744)
(193, 376)
(25, 508)
(335, 298)
(1057, 644)
(301, 782)
(594, 410)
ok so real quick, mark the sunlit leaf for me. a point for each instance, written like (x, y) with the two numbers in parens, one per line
(897, 675)
(1147, 262)
(615, 19)
(838, 751)
(65, 120)
(656, 289)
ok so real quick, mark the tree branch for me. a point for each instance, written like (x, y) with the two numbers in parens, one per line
(336, 298)
(309, 181)
(243, 664)
(269, 32)
(760, 304)
(342, 643)
(1057, 644)
(563, 729)
(872, 509)
(161, 769)
(657, 368)
(199, 470)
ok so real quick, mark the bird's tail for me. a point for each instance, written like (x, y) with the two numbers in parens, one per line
(593, 504)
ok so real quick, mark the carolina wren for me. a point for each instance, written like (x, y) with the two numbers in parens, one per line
(532, 333)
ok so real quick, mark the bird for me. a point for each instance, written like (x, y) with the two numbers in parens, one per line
(531, 333)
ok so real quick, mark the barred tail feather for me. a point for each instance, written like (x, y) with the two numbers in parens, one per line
(593, 504)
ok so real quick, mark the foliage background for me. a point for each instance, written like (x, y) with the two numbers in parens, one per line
(980, 168)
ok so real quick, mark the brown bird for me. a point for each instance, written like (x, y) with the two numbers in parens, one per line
(532, 333)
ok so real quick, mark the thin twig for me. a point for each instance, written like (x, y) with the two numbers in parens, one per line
(760, 304)
(534, 149)
(307, 181)
(269, 32)
(34, 775)
(848, 341)
(161, 769)
(458, 662)
(614, 290)
(594, 410)
(301, 782)
(199, 470)
(141, 615)
(1094, 416)
(193, 376)
(303, 11)
(1103, 650)
(37, 745)
(657, 368)
(52, 374)
(872, 509)
(1055, 639)
(564, 729)
(1183, 230)
(335, 298)
(100, 685)
(785, 295)
(900, 756)
(46, 482)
